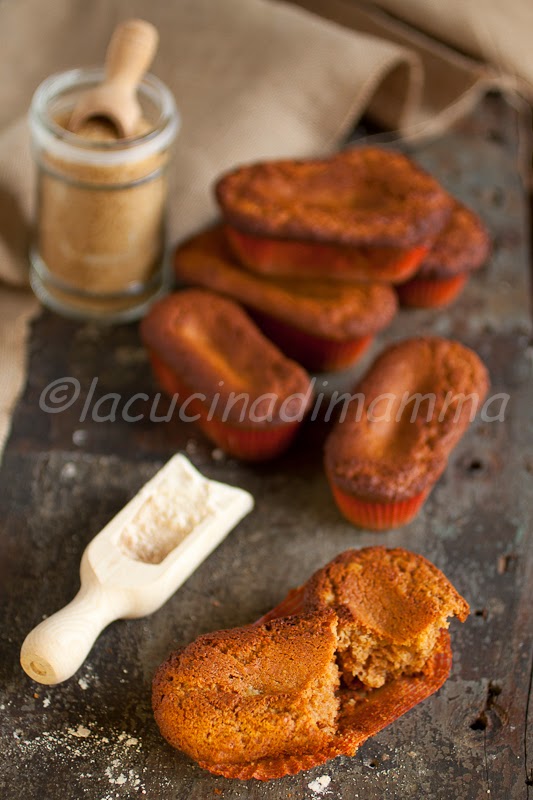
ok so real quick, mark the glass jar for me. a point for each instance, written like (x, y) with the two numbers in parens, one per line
(99, 245)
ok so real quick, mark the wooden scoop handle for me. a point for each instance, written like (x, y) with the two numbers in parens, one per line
(130, 52)
(131, 49)
(58, 646)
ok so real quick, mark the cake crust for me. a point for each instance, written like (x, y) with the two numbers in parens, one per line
(235, 696)
(199, 335)
(333, 310)
(389, 450)
(364, 195)
(462, 246)
(391, 592)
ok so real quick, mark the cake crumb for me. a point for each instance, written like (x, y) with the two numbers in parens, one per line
(191, 447)
(69, 470)
(82, 683)
(81, 732)
(80, 437)
(320, 785)
(46, 702)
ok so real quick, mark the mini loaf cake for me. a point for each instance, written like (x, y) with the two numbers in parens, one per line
(460, 248)
(240, 389)
(322, 325)
(395, 435)
(269, 699)
(326, 216)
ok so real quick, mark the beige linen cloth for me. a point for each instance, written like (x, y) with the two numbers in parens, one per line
(253, 79)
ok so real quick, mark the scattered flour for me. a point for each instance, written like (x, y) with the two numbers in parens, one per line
(69, 471)
(191, 447)
(320, 785)
(80, 745)
(80, 437)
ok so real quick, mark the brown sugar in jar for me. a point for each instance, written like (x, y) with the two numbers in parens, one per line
(99, 244)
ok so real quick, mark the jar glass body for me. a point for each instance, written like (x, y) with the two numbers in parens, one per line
(99, 244)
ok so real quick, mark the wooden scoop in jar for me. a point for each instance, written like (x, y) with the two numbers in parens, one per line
(129, 54)
(136, 563)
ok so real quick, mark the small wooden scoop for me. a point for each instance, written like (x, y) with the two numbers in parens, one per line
(130, 53)
(136, 563)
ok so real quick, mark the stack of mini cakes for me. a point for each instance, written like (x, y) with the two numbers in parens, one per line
(313, 249)
(318, 253)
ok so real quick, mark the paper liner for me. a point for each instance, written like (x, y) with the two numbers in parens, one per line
(292, 604)
(245, 443)
(430, 292)
(304, 259)
(316, 353)
(377, 516)
(363, 712)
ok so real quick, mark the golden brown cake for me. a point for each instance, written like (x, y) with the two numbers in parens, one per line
(320, 324)
(253, 692)
(461, 247)
(239, 388)
(268, 700)
(362, 196)
(394, 437)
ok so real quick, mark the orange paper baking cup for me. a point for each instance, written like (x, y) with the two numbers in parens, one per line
(292, 604)
(294, 258)
(246, 443)
(430, 292)
(316, 353)
(377, 516)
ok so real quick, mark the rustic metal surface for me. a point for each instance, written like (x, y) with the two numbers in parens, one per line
(94, 736)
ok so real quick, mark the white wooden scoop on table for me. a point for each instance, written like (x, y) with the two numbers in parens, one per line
(136, 563)
(129, 54)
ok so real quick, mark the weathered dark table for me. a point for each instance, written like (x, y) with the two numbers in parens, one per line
(62, 479)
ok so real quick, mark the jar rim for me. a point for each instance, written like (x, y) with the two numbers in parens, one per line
(59, 141)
